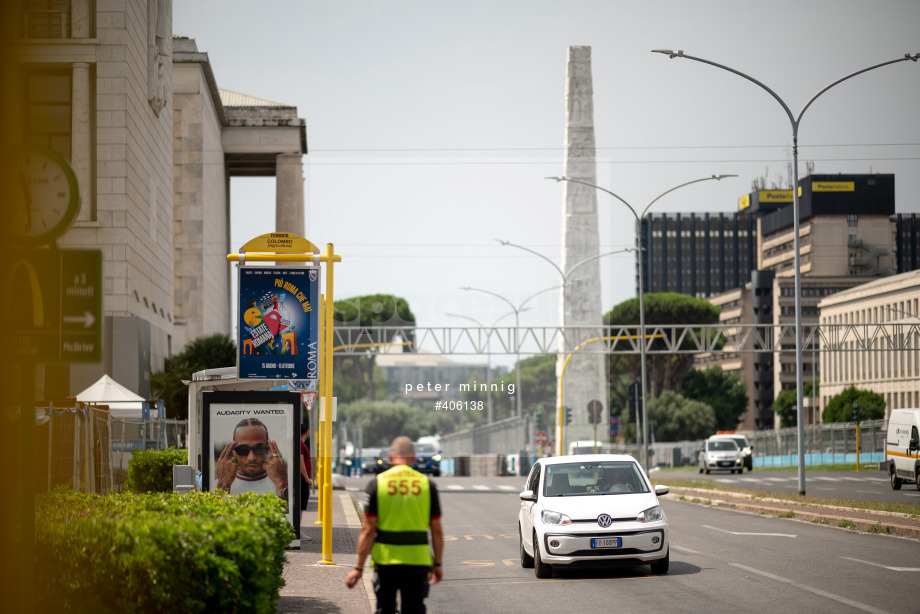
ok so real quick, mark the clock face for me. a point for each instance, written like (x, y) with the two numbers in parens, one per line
(43, 194)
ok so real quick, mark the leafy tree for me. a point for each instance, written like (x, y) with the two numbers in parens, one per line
(538, 387)
(665, 371)
(209, 352)
(840, 407)
(678, 418)
(386, 420)
(724, 392)
(357, 376)
(784, 405)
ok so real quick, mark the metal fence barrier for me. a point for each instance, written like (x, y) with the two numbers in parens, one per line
(85, 448)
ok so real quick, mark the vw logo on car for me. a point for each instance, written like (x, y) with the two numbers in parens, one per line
(604, 520)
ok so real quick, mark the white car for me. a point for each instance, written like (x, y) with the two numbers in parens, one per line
(747, 450)
(591, 509)
(721, 455)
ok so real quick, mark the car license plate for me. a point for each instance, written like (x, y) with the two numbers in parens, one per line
(606, 542)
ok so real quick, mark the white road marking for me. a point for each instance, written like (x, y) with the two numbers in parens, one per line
(816, 591)
(506, 487)
(706, 526)
(889, 567)
(480, 487)
(682, 549)
(455, 487)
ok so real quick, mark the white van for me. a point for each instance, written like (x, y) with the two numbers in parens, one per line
(902, 447)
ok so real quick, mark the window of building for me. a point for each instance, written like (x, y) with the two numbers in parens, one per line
(46, 19)
(48, 110)
(852, 219)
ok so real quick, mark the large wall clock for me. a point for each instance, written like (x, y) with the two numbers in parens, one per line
(44, 197)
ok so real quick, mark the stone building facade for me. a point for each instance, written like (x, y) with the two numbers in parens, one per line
(885, 308)
(140, 119)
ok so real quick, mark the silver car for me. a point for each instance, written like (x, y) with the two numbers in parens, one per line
(721, 455)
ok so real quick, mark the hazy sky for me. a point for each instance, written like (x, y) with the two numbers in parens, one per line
(431, 124)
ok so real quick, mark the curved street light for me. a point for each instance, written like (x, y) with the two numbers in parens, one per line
(565, 278)
(516, 309)
(795, 121)
(488, 356)
(644, 340)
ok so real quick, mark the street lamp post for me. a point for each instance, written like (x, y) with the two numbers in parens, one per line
(516, 309)
(565, 277)
(795, 121)
(488, 355)
(643, 340)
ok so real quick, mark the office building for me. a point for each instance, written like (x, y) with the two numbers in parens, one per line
(886, 312)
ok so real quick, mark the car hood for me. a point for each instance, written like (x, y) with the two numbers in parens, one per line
(721, 454)
(589, 507)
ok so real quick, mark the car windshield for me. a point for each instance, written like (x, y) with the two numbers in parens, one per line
(740, 441)
(602, 478)
(425, 448)
(723, 445)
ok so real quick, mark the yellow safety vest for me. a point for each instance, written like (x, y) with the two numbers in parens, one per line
(403, 518)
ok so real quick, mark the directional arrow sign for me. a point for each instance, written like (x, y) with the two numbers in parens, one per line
(86, 319)
(52, 302)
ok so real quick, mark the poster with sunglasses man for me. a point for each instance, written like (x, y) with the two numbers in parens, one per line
(252, 462)
(253, 444)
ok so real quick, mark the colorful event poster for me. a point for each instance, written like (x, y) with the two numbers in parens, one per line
(252, 444)
(279, 323)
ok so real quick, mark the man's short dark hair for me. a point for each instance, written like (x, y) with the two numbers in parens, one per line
(251, 422)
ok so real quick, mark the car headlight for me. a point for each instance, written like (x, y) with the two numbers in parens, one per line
(549, 517)
(650, 515)
(436, 458)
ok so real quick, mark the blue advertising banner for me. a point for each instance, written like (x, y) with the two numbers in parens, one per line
(279, 323)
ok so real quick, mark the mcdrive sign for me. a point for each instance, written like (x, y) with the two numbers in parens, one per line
(279, 323)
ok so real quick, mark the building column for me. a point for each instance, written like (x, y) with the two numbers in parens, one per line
(81, 153)
(289, 201)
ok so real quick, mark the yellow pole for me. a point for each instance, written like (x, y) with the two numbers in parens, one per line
(330, 258)
(320, 438)
(320, 472)
(560, 413)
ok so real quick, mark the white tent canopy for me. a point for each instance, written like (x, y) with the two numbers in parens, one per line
(122, 402)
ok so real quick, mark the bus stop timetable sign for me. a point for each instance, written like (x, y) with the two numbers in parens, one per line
(53, 300)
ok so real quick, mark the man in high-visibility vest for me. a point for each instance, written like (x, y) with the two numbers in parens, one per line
(402, 504)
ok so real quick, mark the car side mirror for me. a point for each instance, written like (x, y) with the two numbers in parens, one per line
(528, 495)
(661, 489)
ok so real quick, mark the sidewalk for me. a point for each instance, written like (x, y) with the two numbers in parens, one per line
(320, 589)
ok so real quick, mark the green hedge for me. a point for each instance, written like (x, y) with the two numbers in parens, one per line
(200, 552)
(151, 470)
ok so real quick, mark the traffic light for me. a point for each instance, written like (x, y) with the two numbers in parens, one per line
(539, 417)
(855, 411)
(568, 415)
